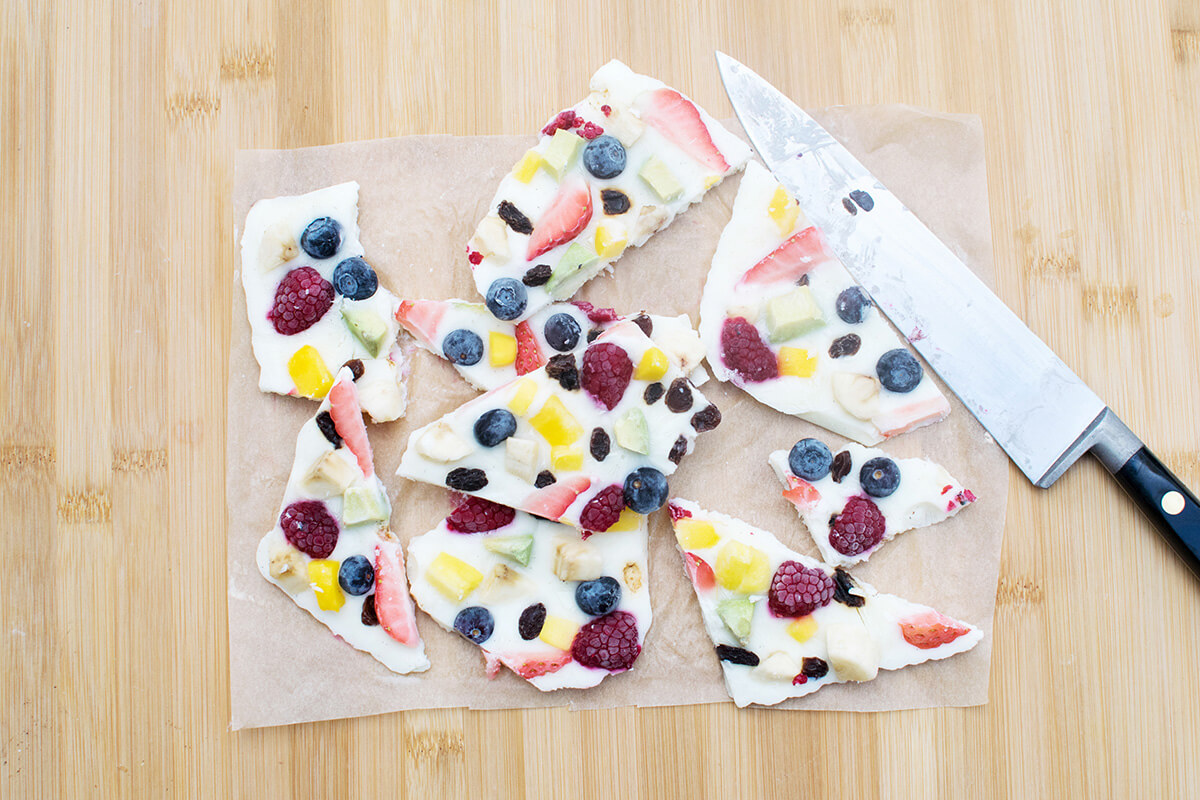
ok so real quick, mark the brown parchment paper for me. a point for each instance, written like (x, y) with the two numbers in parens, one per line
(420, 199)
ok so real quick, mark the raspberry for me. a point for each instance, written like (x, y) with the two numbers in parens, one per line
(603, 510)
(474, 256)
(931, 630)
(596, 315)
(678, 512)
(744, 351)
(476, 514)
(606, 373)
(606, 110)
(565, 120)
(858, 528)
(591, 130)
(301, 299)
(308, 525)
(797, 590)
(610, 642)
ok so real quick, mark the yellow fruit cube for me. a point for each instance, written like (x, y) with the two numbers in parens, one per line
(502, 349)
(652, 366)
(695, 534)
(610, 241)
(802, 628)
(527, 167)
(797, 362)
(309, 373)
(628, 521)
(556, 424)
(711, 181)
(558, 632)
(566, 459)
(452, 576)
(323, 577)
(742, 568)
(783, 210)
(523, 395)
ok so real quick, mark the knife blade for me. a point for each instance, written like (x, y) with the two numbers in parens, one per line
(1038, 410)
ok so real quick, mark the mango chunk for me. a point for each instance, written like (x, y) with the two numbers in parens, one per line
(628, 521)
(558, 632)
(502, 349)
(695, 534)
(527, 167)
(742, 568)
(783, 210)
(556, 424)
(796, 361)
(566, 459)
(802, 628)
(652, 366)
(309, 373)
(323, 577)
(610, 242)
(453, 577)
(523, 395)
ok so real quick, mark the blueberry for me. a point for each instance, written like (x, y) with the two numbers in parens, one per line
(810, 459)
(645, 490)
(322, 237)
(354, 278)
(562, 332)
(463, 347)
(898, 370)
(494, 426)
(852, 305)
(356, 575)
(475, 623)
(506, 298)
(879, 477)
(531, 621)
(598, 597)
(604, 157)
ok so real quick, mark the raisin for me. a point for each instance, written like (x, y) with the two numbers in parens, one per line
(515, 219)
(536, 276)
(562, 368)
(645, 323)
(849, 206)
(531, 621)
(736, 655)
(803, 280)
(843, 583)
(600, 444)
(544, 479)
(325, 423)
(466, 480)
(356, 367)
(813, 667)
(615, 201)
(369, 616)
(679, 396)
(678, 450)
(592, 334)
(652, 393)
(706, 418)
(841, 466)
(845, 345)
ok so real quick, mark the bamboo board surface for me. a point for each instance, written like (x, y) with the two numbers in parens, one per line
(119, 124)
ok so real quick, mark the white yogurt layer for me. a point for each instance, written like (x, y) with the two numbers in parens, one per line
(858, 633)
(927, 494)
(625, 105)
(270, 250)
(475, 576)
(841, 393)
(330, 475)
(554, 431)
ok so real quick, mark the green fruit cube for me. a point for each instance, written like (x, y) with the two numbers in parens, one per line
(793, 314)
(736, 615)
(571, 272)
(361, 504)
(559, 156)
(632, 432)
(658, 176)
(368, 327)
(518, 548)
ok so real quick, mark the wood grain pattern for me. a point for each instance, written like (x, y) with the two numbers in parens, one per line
(118, 123)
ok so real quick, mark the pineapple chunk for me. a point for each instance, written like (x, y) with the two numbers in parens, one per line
(527, 167)
(555, 423)
(628, 521)
(783, 210)
(566, 459)
(610, 242)
(652, 366)
(796, 361)
(502, 349)
(323, 577)
(802, 628)
(309, 373)
(523, 396)
(453, 577)
(694, 534)
(558, 632)
(742, 568)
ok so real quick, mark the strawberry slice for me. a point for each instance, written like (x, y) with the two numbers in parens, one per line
(674, 116)
(700, 572)
(801, 493)
(393, 606)
(795, 257)
(912, 415)
(569, 213)
(533, 665)
(348, 422)
(529, 354)
(421, 318)
(552, 501)
(491, 663)
(931, 629)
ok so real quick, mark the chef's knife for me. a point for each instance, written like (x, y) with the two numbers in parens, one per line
(1031, 403)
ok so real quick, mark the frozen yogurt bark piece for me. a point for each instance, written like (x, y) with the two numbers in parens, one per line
(782, 319)
(331, 550)
(785, 625)
(855, 501)
(605, 175)
(490, 352)
(585, 441)
(315, 304)
(560, 610)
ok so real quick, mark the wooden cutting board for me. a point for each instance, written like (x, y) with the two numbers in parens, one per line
(119, 124)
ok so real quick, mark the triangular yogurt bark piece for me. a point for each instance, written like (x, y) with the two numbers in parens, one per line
(315, 304)
(585, 442)
(785, 625)
(490, 352)
(855, 501)
(782, 319)
(331, 549)
(605, 175)
(561, 610)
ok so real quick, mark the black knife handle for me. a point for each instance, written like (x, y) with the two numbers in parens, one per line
(1166, 501)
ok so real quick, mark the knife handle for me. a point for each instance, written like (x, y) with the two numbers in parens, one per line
(1166, 501)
